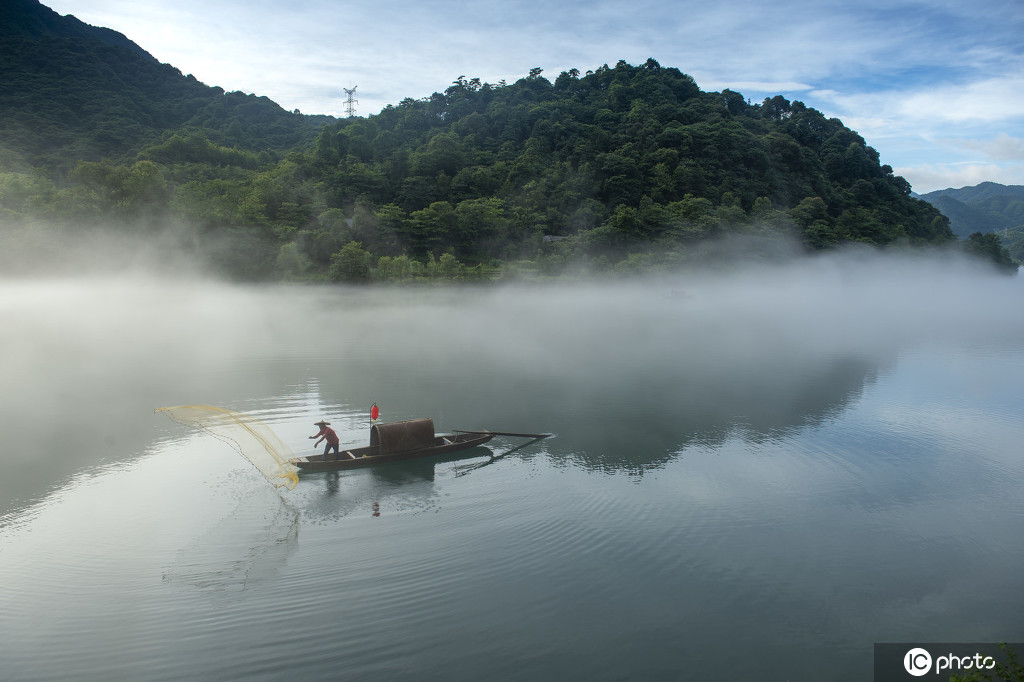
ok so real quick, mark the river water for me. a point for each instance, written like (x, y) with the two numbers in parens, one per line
(754, 474)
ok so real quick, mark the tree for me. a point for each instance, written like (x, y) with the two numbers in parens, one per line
(811, 216)
(144, 188)
(481, 226)
(442, 154)
(989, 247)
(733, 102)
(291, 263)
(350, 264)
(125, 191)
(449, 267)
(777, 108)
(431, 227)
(397, 269)
(691, 218)
(391, 233)
(22, 192)
(327, 234)
(809, 210)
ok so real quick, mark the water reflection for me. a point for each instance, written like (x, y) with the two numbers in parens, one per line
(630, 422)
(800, 476)
(624, 375)
(403, 486)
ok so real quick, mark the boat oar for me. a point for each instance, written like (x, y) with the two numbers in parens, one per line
(506, 433)
(462, 471)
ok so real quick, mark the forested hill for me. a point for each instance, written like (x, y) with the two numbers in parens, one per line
(625, 168)
(637, 151)
(28, 19)
(72, 92)
(988, 207)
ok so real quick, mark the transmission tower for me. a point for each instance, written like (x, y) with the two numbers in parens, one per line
(350, 102)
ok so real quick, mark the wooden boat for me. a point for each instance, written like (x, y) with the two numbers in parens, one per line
(394, 442)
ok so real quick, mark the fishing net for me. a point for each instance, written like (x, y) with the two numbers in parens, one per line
(249, 436)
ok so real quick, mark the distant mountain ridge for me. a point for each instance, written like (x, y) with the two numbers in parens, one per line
(988, 207)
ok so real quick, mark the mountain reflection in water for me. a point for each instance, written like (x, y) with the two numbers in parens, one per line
(805, 459)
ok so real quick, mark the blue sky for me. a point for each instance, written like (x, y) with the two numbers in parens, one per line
(937, 87)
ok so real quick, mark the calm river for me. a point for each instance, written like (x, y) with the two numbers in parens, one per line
(755, 475)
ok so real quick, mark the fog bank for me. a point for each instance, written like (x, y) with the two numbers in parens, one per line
(87, 359)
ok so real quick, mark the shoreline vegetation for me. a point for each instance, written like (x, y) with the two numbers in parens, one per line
(45, 251)
(615, 171)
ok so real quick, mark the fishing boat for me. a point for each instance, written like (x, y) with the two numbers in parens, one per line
(394, 442)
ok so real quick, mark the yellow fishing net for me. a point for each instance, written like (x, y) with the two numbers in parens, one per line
(249, 436)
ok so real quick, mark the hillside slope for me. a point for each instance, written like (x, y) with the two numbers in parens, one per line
(631, 166)
(31, 20)
(987, 207)
(638, 153)
(74, 92)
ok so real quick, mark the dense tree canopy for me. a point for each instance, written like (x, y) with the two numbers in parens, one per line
(620, 167)
(617, 161)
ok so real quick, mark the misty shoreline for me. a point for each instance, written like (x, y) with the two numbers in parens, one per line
(171, 253)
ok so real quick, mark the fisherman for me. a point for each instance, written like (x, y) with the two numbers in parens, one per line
(326, 433)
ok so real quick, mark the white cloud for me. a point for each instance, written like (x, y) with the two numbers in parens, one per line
(989, 100)
(1002, 147)
(927, 110)
(760, 87)
(949, 136)
(929, 178)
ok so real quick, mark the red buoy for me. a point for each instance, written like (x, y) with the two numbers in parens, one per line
(374, 412)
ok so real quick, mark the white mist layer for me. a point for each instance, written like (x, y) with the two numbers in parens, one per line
(86, 360)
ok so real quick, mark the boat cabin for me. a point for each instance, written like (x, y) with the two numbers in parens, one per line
(413, 434)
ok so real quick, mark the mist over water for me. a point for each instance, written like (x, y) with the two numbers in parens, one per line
(605, 365)
(685, 408)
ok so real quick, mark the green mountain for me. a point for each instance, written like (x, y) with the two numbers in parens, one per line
(28, 19)
(613, 158)
(988, 207)
(625, 168)
(71, 92)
